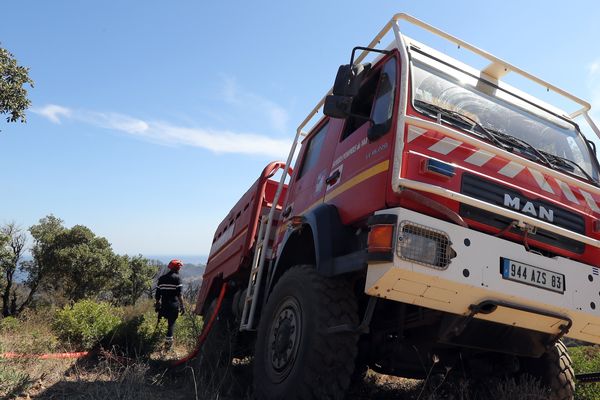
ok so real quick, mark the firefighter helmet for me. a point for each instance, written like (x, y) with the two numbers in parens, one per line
(175, 265)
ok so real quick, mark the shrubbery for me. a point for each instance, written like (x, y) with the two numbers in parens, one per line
(187, 329)
(586, 359)
(86, 323)
(138, 335)
(12, 381)
(131, 331)
(9, 324)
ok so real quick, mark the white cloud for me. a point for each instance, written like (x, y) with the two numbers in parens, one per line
(215, 140)
(114, 121)
(53, 112)
(594, 68)
(219, 141)
(258, 105)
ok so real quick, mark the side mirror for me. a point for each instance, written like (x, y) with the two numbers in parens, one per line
(346, 86)
(338, 106)
(349, 78)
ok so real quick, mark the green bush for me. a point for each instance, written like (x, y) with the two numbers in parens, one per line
(39, 340)
(12, 381)
(586, 359)
(87, 323)
(187, 330)
(138, 335)
(9, 324)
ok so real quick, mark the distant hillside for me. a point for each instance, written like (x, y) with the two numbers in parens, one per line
(189, 259)
(192, 271)
(191, 274)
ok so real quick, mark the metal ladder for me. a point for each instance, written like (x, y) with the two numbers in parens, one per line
(256, 274)
(248, 321)
(258, 263)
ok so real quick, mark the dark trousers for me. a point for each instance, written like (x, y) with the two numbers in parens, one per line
(170, 314)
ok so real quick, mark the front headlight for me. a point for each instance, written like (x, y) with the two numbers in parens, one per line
(424, 245)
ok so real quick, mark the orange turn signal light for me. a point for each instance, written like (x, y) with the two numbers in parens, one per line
(296, 221)
(380, 238)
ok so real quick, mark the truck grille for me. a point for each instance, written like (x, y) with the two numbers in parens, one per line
(493, 193)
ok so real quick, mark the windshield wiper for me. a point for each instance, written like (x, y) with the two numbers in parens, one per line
(500, 139)
(465, 119)
(514, 141)
(568, 165)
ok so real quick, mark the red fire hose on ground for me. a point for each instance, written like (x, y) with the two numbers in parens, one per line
(50, 356)
(205, 330)
(202, 338)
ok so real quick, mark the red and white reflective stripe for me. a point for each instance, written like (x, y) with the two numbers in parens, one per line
(414, 132)
(511, 169)
(590, 201)
(566, 189)
(479, 158)
(541, 181)
(445, 145)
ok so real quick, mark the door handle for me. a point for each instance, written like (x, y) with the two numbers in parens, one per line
(286, 213)
(333, 178)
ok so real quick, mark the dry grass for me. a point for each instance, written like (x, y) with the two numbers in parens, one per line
(104, 377)
(111, 377)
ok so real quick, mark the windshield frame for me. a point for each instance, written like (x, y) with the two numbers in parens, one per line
(594, 163)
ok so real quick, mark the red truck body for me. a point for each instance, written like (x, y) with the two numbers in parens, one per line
(433, 213)
(231, 251)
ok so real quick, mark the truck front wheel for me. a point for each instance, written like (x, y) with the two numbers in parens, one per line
(297, 355)
(554, 370)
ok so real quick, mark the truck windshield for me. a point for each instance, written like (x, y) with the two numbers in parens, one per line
(509, 119)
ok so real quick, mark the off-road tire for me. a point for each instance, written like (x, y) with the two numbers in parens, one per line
(322, 363)
(554, 370)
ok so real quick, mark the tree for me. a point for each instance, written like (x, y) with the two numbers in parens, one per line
(13, 95)
(135, 279)
(4, 253)
(85, 263)
(76, 264)
(39, 270)
(15, 241)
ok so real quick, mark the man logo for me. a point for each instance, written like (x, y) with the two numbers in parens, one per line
(528, 208)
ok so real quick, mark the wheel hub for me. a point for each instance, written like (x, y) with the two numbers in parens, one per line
(284, 336)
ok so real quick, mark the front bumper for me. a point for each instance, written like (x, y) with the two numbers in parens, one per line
(474, 277)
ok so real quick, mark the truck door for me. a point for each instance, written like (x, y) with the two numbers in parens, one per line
(312, 167)
(359, 173)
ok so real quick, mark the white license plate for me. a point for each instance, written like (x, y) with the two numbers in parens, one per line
(534, 276)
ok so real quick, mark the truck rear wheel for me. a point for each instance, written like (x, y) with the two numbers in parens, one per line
(296, 356)
(554, 370)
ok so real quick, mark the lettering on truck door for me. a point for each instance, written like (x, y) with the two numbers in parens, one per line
(364, 163)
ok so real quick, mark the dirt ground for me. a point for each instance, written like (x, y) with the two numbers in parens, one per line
(107, 377)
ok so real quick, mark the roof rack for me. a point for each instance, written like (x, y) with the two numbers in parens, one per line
(497, 68)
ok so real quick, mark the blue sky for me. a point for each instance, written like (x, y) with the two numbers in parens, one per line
(150, 118)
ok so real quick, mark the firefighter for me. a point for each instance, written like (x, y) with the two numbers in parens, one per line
(169, 302)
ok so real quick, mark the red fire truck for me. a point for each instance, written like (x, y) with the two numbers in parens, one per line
(436, 219)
